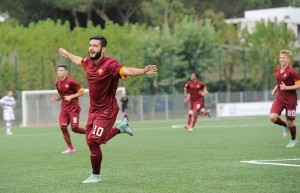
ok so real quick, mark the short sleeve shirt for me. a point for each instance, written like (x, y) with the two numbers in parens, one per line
(103, 79)
(67, 87)
(8, 102)
(194, 89)
(289, 77)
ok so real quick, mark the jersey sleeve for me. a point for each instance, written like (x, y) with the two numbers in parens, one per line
(59, 92)
(186, 87)
(76, 86)
(202, 85)
(116, 69)
(295, 76)
(84, 63)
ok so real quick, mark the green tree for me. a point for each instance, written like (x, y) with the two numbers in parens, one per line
(160, 12)
(160, 47)
(264, 45)
(195, 42)
(230, 55)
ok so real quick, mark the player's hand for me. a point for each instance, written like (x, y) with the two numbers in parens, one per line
(150, 69)
(186, 99)
(67, 98)
(201, 92)
(274, 91)
(53, 98)
(282, 86)
(63, 52)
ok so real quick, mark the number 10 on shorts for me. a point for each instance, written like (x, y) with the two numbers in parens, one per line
(97, 131)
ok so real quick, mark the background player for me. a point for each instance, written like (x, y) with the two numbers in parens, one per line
(103, 74)
(68, 91)
(287, 81)
(194, 91)
(8, 103)
(124, 105)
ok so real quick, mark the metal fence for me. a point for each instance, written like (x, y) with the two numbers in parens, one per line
(147, 107)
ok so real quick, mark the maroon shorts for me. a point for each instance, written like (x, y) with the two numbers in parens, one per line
(69, 118)
(278, 107)
(98, 129)
(196, 106)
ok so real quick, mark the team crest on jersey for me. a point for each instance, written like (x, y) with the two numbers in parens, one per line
(67, 86)
(284, 75)
(100, 71)
(198, 86)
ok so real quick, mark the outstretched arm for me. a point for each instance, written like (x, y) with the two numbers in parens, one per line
(148, 70)
(75, 59)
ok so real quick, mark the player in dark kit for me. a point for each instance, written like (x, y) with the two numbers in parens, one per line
(194, 91)
(124, 105)
(68, 91)
(287, 82)
(103, 74)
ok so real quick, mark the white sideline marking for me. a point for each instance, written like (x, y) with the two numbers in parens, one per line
(26, 135)
(178, 126)
(225, 125)
(273, 162)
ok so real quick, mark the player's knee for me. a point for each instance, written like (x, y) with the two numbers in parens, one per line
(290, 123)
(75, 129)
(63, 127)
(91, 143)
(273, 117)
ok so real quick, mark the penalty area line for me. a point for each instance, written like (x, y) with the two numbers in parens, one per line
(273, 162)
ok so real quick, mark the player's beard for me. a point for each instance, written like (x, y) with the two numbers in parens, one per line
(97, 55)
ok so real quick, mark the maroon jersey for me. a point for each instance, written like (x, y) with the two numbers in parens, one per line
(67, 87)
(289, 77)
(103, 79)
(194, 89)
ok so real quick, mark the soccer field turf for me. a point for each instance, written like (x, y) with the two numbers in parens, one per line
(158, 158)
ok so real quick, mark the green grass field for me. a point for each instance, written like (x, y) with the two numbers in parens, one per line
(158, 158)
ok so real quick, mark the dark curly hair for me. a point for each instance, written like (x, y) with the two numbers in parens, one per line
(102, 39)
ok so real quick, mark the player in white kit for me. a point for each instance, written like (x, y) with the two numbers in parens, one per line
(8, 103)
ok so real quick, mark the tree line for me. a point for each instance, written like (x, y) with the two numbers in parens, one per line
(148, 12)
(226, 57)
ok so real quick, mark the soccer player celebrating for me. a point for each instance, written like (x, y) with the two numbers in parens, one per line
(194, 91)
(103, 74)
(68, 92)
(8, 103)
(287, 82)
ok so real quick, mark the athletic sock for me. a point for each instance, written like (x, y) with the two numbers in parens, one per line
(280, 122)
(113, 132)
(8, 126)
(293, 132)
(194, 121)
(96, 157)
(66, 136)
(189, 119)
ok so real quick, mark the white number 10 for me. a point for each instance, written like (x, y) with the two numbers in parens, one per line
(97, 131)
